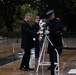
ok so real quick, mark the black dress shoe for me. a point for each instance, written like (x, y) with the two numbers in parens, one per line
(30, 69)
(26, 69)
(23, 69)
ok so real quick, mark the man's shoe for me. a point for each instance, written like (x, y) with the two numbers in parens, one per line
(23, 69)
(30, 69)
(26, 69)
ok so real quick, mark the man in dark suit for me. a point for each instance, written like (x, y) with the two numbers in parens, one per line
(26, 42)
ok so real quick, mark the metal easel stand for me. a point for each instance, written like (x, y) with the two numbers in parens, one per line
(42, 55)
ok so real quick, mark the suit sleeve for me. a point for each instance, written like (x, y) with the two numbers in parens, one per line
(26, 29)
(34, 28)
(58, 28)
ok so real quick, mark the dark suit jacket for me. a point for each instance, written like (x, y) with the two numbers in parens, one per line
(27, 36)
(56, 28)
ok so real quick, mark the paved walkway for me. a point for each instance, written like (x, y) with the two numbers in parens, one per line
(70, 42)
(67, 60)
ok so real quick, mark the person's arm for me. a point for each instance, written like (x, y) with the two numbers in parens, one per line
(35, 28)
(58, 27)
(26, 29)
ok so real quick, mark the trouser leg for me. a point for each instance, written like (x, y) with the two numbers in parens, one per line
(37, 49)
(26, 58)
(54, 55)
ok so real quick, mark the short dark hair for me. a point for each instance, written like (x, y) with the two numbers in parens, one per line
(28, 14)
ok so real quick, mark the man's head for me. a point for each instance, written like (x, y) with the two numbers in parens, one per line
(27, 17)
(51, 14)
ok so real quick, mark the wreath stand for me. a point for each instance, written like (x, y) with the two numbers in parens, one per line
(42, 56)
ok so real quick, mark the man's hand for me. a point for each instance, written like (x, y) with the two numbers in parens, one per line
(40, 32)
(42, 28)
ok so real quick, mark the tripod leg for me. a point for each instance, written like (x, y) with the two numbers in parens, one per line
(37, 68)
(43, 57)
(58, 71)
(41, 54)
